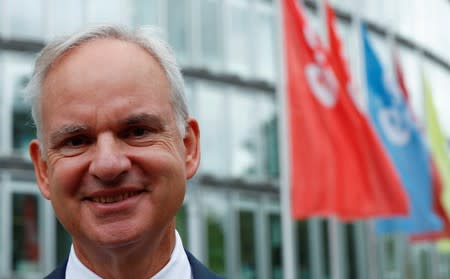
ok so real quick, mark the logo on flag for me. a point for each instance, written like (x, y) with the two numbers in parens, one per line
(393, 119)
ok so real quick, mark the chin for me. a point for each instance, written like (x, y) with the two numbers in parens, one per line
(116, 235)
(117, 240)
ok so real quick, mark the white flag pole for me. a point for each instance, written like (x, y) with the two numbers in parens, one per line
(287, 223)
(334, 227)
(362, 85)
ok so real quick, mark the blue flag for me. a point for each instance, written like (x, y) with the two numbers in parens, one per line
(402, 140)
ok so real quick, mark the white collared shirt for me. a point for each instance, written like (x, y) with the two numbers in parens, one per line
(177, 267)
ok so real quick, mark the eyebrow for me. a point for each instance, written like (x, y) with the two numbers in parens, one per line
(65, 131)
(143, 118)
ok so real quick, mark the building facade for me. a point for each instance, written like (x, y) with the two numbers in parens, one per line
(230, 55)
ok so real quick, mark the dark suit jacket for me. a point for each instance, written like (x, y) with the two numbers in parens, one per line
(199, 271)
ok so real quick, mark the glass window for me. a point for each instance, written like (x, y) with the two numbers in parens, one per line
(213, 115)
(216, 208)
(267, 127)
(106, 11)
(236, 141)
(23, 128)
(324, 224)
(63, 242)
(264, 52)
(254, 146)
(238, 39)
(275, 246)
(244, 145)
(424, 263)
(5, 106)
(68, 16)
(377, 11)
(190, 96)
(444, 265)
(26, 255)
(2, 96)
(179, 28)
(147, 12)
(389, 252)
(182, 227)
(303, 244)
(351, 255)
(345, 5)
(211, 51)
(411, 19)
(26, 19)
(16, 72)
(247, 233)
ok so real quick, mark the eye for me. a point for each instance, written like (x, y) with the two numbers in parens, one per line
(74, 145)
(138, 135)
(138, 132)
(76, 141)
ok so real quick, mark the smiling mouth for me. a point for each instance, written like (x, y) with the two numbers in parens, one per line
(114, 198)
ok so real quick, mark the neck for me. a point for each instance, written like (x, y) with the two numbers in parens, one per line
(116, 262)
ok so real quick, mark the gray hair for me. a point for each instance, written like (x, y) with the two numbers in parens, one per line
(145, 37)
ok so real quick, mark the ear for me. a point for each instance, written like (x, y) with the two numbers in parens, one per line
(40, 168)
(192, 147)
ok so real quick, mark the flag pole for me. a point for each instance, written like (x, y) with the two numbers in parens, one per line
(395, 59)
(287, 223)
(361, 81)
(334, 231)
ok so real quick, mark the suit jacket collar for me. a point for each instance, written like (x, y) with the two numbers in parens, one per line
(199, 271)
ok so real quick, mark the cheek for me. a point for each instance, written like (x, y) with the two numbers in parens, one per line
(167, 178)
(174, 192)
(160, 161)
(65, 176)
(166, 201)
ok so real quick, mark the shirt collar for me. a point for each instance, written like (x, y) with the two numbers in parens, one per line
(177, 267)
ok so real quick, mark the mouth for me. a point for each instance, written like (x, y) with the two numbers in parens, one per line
(107, 199)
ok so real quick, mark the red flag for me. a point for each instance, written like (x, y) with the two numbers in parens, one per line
(336, 47)
(337, 58)
(338, 168)
(400, 80)
(402, 86)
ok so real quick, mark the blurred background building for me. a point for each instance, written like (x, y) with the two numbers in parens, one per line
(230, 52)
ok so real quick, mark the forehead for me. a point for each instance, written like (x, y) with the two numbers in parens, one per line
(104, 72)
(95, 53)
(103, 60)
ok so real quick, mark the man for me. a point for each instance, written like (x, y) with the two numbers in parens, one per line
(114, 148)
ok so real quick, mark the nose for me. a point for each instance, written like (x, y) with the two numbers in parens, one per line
(109, 162)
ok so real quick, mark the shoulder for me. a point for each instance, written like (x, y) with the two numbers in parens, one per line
(59, 272)
(199, 271)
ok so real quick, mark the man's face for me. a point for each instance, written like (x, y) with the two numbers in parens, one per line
(116, 166)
